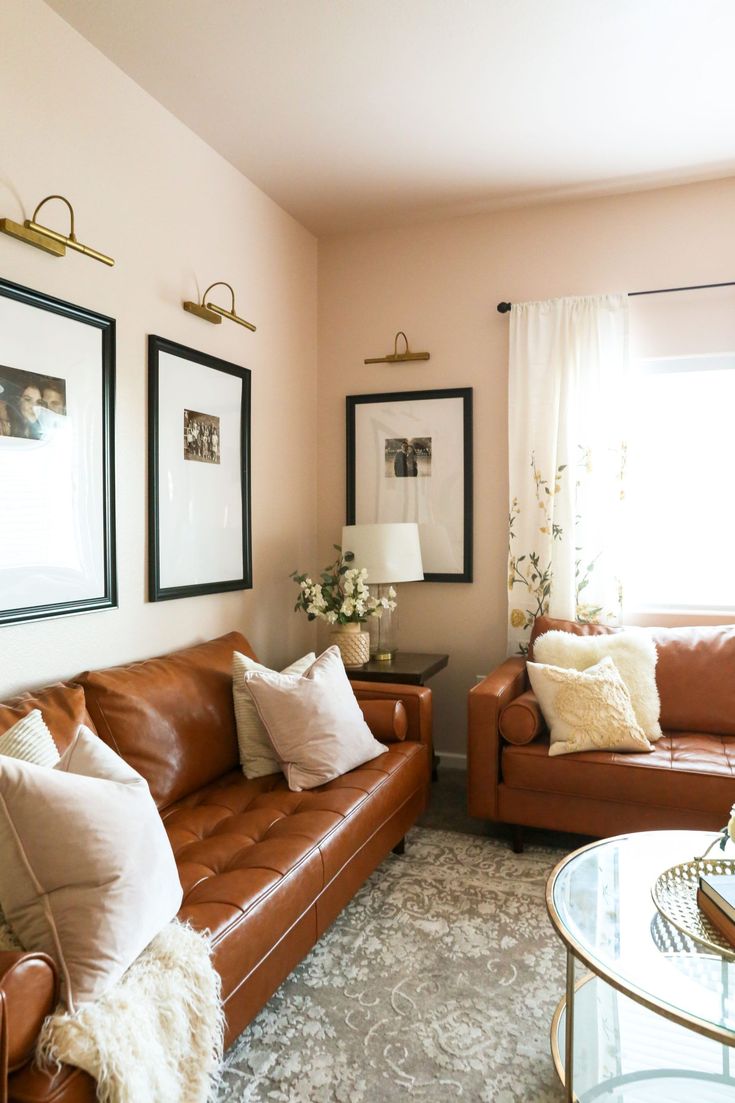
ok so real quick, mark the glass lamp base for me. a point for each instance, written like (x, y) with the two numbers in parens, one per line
(383, 629)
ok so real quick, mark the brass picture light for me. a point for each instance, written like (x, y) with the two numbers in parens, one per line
(210, 312)
(397, 357)
(51, 241)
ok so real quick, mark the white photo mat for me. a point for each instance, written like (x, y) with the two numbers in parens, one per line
(56, 457)
(410, 459)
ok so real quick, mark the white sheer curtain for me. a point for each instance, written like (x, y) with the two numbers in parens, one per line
(567, 396)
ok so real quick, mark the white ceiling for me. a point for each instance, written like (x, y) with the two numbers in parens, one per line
(358, 113)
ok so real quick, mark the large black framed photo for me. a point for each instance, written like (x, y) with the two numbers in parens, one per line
(198, 473)
(57, 499)
(409, 458)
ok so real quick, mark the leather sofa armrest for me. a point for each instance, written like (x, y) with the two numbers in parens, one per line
(415, 699)
(29, 992)
(386, 719)
(484, 742)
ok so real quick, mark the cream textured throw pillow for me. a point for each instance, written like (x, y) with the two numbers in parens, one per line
(587, 710)
(257, 757)
(30, 741)
(634, 654)
(87, 873)
(314, 722)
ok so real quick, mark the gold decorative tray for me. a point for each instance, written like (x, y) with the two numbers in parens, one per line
(675, 895)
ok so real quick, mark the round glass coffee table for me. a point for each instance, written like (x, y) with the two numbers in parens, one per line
(653, 1021)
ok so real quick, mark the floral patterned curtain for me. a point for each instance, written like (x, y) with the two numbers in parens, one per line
(567, 399)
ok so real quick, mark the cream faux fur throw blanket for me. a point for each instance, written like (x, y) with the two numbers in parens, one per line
(157, 1036)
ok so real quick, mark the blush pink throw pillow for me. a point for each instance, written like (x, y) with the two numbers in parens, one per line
(313, 721)
(87, 873)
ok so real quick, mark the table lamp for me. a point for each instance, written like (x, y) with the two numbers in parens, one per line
(390, 553)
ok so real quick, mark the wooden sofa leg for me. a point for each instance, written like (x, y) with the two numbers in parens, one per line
(400, 847)
(517, 838)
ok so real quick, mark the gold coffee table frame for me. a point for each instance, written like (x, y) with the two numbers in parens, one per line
(577, 951)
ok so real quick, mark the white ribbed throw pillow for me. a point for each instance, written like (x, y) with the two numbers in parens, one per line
(30, 741)
(257, 757)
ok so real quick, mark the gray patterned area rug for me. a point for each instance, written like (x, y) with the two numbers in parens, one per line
(437, 982)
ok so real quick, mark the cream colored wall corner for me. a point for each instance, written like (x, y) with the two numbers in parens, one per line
(176, 216)
(440, 283)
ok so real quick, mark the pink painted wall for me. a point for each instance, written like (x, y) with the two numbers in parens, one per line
(176, 216)
(440, 282)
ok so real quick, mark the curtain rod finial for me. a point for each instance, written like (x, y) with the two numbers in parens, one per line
(503, 308)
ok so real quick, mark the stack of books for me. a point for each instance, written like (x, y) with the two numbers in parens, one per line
(716, 898)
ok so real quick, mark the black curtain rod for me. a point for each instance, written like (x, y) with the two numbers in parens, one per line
(503, 308)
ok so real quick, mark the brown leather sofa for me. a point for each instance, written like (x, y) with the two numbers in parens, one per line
(264, 869)
(688, 781)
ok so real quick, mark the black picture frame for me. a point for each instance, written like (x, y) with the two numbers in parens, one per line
(88, 466)
(158, 590)
(404, 400)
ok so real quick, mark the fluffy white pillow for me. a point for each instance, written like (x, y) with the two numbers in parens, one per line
(257, 757)
(30, 741)
(314, 722)
(635, 657)
(587, 710)
(87, 873)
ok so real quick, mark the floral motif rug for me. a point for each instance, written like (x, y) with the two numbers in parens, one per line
(437, 982)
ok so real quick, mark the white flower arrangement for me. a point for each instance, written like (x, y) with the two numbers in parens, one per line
(342, 596)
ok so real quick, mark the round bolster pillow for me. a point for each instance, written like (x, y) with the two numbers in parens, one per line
(386, 718)
(522, 720)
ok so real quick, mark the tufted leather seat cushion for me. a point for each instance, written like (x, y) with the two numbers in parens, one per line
(252, 848)
(685, 770)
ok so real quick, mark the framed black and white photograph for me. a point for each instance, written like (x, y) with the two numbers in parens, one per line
(198, 473)
(409, 458)
(201, 437)
(57, 513)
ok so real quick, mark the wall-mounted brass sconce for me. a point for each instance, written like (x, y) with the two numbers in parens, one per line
(397, 357)
(210, 312)
(32, 233)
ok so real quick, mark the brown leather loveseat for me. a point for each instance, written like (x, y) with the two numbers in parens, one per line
(688, 781)
(264, 869)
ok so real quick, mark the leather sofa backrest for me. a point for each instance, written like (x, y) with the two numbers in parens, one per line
(695, 672)
(553, 624)
(696, 678)
(62, 707)
(172, 718)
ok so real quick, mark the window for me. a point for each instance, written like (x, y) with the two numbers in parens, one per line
(681, 485)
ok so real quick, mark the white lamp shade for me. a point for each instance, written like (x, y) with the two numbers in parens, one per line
(389, 553)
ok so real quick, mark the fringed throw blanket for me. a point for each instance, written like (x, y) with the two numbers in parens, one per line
(157, 1035)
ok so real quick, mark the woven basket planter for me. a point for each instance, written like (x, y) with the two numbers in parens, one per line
(353, 643)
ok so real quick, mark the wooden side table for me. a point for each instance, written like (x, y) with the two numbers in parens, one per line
(406, 668)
